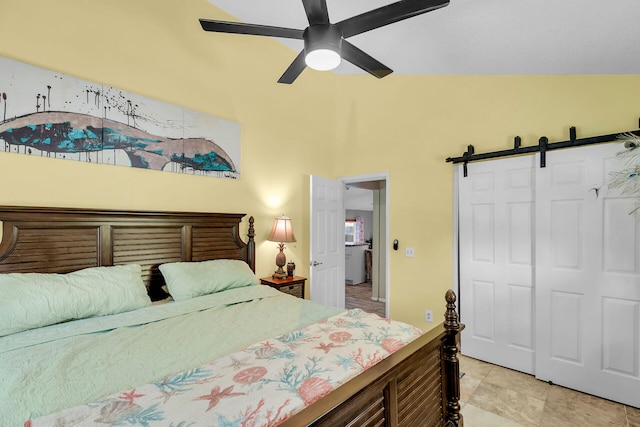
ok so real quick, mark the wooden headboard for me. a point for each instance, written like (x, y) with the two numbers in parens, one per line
(61, 240)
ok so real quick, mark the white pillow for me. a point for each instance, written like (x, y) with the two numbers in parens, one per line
(33, 300)
(191, 279)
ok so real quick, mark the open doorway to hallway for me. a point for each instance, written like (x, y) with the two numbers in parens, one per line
(366, 265)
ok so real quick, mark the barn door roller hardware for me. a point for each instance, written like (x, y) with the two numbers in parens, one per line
(543, 147)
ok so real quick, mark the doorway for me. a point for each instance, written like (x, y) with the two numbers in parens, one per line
(365, 197)
(327, 237)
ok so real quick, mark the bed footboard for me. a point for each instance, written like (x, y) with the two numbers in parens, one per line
(419, 386)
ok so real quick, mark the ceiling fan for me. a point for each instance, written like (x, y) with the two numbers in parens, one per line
(324, 42)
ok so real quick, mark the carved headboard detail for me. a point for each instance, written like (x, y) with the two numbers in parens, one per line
(60, 240)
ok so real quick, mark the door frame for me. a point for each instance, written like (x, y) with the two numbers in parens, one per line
(377, 177)
(455, 273)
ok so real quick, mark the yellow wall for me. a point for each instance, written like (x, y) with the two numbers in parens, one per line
(404, 125)
(409, 125)
(159, 50)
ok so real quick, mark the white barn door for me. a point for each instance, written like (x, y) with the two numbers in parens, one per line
(496, 264)
(587, 277)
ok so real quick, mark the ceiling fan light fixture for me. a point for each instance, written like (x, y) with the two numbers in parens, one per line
(322, 46)
(322, 59)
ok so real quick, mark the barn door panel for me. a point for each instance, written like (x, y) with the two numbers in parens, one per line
(496, 262)
(587, 277)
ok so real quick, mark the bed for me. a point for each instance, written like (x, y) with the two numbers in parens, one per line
(415, 384)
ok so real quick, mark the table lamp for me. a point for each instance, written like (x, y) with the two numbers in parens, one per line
(282, 233)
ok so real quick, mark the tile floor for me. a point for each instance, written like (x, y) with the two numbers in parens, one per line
(359, 296)
(498, 397)
(493, 396)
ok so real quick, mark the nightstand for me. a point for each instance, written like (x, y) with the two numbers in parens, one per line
(290, 285)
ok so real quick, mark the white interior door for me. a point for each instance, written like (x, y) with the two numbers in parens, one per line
(587, 277)
(496, 266)
(327, 259)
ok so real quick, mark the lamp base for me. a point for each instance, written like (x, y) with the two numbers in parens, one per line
(281, 261)
(279, 274)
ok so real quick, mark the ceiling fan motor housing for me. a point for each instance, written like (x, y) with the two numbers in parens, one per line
(322, 46)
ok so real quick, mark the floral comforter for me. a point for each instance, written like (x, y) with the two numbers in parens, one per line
(261, 385)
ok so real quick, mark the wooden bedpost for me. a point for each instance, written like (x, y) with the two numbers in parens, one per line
(451, 362)
(251, 245)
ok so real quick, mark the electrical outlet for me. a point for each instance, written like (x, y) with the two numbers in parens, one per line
(410, 252)
(428, 316)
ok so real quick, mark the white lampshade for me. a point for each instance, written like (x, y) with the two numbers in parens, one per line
(282, 231)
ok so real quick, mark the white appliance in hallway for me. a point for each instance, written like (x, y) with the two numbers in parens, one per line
(550, 270)
(354, 264)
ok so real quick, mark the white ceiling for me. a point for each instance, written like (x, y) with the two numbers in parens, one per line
(479, 36)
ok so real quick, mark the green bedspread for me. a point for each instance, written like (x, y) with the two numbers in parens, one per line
(53, 368)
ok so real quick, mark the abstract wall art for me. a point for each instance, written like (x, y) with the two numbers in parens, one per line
(49, 114)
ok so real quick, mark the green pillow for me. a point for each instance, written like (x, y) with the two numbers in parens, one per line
(191, 279)
(33, 300)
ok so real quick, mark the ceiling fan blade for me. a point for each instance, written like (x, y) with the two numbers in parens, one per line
(362, 60)
(297, 66)
(317, 12)
(388, 14)
(251, 29)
